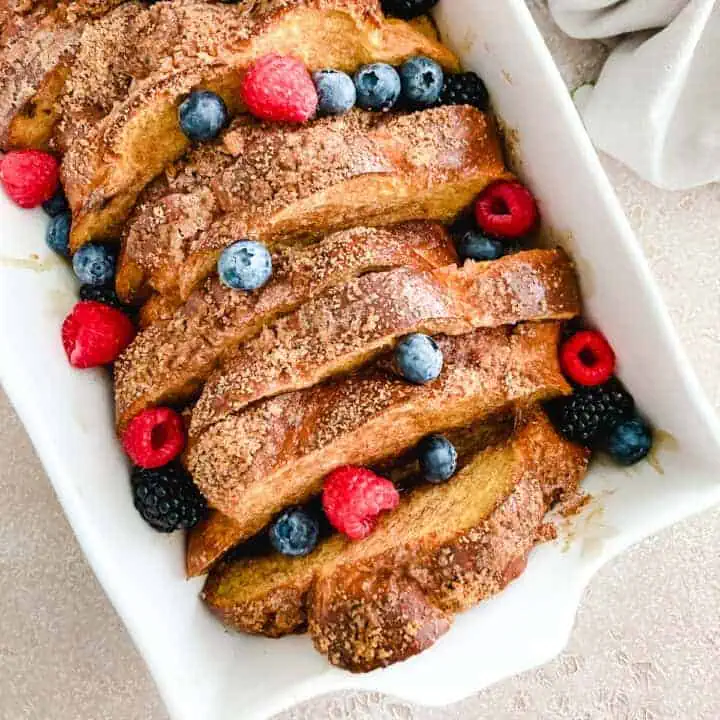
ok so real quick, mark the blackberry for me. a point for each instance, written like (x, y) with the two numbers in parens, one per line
(590, 413)
(464, 89)
(167, 498)
(104, 294)
(407, 9)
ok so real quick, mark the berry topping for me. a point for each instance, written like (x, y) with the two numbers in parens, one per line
(422, 81)
(30, 177)
(279, 88)
(295, 532)
(167, 498)
(245, 265)
(474, 245)
(418, 358)
(589, 414)
(155, 437)
(506, 209)
(94, 264)
(94, 334)
(378, 86)
(587, 358)
(104, 294)
(407, 9)
(629, 441)
(353, 497)
(335, 91)
(202, 115)
(465, 89)
(438, 458)
(57, 235)
(56, 204)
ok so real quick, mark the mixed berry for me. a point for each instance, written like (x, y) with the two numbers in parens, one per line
(599, 413)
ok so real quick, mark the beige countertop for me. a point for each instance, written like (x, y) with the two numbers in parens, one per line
(646, 645)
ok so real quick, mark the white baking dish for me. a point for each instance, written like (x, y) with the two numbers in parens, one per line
(204, 672)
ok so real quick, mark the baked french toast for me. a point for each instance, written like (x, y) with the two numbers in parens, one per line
(104, 173)
(328, 335)
(376, 601)
(361, 168)
(169, 361)
(274, 454)
(351, 324)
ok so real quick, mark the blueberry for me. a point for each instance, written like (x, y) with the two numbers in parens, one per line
(295, 532)
(57, 235)
(202, 115)
(422, 81)
(378, 86)
(438, 458)
(336, 92)
(475, 245)
(245, 265)
(418, 358)
(629, 441)
(94, 264)
(56, 204)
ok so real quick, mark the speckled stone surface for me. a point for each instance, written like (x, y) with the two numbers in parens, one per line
(646, 645)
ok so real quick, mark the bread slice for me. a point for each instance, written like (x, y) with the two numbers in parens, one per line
(104, 173)
(39, 43)
(281, 184)
(351, 324)
(445, 548)
(169, 361)
(217, 534)
(275, 453)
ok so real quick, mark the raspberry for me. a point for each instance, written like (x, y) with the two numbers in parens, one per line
(506, 210)
(587, 358)
(94, 334)
(30, 177)
(154, 437)
(353, 497)
(279, 88)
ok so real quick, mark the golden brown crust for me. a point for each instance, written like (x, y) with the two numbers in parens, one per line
(351, 324)
(447, 547)
(275, 453)
(170, 360)
(278, 183)
(106, 168)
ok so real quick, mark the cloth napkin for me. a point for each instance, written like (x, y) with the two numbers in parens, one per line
(656, 104)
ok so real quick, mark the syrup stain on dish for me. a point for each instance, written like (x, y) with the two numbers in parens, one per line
(507, 77)
(588, 527)
(662, 440)
(33, 262)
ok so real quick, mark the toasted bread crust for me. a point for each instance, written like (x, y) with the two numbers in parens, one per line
(274, 454)
(169, 360)
(132, 144)
(380, 600)
(353, 323)
(279, 184)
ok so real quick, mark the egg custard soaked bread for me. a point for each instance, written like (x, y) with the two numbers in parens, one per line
(282, 184)
(275, 453)
(104, 171)
(351, 324)
(380, 600)
(169, 361)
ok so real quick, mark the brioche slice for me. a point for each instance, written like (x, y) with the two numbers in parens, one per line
(216, 534)
(39, 44)
(104, 173)
(281, 184)
(169, 361)
(376, 601)
(276, 453)
(353, 323)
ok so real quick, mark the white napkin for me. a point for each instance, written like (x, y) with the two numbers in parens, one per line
(656, 104)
